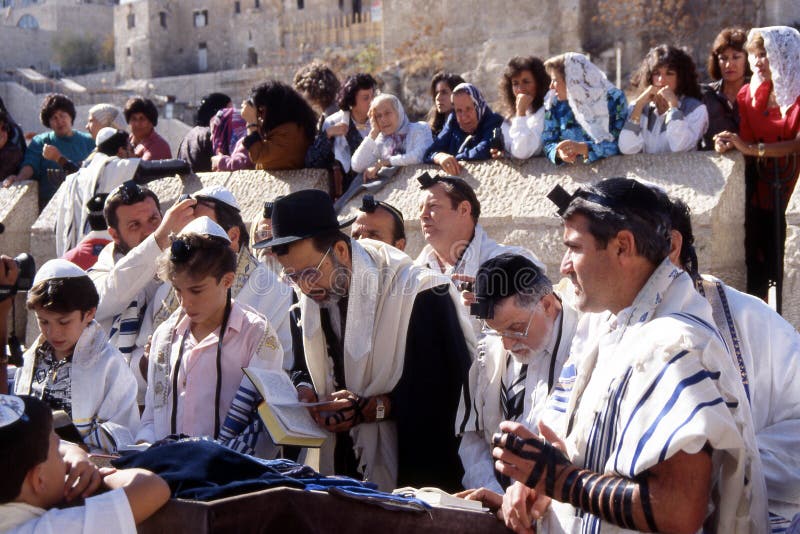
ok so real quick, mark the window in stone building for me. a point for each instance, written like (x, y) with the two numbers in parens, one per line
(131, 20)
(162, 18)
(257, 4)
(128, 51)
(237, 7)
(201, 18)
(252, 57)
(202, 57)
(28, 22)
(341, 4)
(300, 4)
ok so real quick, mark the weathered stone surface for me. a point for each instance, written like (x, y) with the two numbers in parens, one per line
(513, 204)
(791, 262)
(18, 208)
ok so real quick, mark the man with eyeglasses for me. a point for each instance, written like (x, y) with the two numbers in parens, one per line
(125, 272)
(650, 428)
(385, 349)
(528, 334)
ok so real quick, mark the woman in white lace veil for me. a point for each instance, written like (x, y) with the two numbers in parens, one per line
(769, 130)
(584, 113)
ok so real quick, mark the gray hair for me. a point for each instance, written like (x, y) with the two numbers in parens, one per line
(107, 115)
(386, 97)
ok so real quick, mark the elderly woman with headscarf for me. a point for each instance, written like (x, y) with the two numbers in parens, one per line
(102, 116)
(393, 140)
(769, 127)
(585, 115)
(467, 134)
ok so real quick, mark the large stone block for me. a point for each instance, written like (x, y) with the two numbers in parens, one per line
(791, 262)
(514, 208)
(18, 208)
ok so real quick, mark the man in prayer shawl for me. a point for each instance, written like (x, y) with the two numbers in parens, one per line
(529, 334)
(381, 221)
(456, 244)
(125, 272)
(384, 345)
(255, 284)
(651, 430)
(766, 351)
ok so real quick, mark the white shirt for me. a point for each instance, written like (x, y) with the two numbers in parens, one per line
(417, 141)
(523, 135)
(674, 131)
(101, 514)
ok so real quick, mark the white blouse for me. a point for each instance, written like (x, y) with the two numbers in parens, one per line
(677, 130)
(523, 135)
(417, 141)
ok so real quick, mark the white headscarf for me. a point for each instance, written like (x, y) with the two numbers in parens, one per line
(108, 115)
(782, 44)
(587, 94)
(392, 144)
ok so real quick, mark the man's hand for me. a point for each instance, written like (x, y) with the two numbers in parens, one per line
(523, 104)
(9, 271)
(83, 477)
(51, 152)
(448, 163)
(178, 216)
(337, 129)
(343, 411)
(491, 500)
(522, 507)
(526, 457)
(465, 283)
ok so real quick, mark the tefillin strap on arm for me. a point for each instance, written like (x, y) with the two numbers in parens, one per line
(609, 497)
(547, 459)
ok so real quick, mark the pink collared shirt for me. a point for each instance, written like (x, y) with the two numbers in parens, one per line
(152, 147)
(197, 375)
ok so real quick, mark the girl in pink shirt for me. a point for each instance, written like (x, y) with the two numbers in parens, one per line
(196, 356)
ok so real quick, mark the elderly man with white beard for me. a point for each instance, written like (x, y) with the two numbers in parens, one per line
(529, 330)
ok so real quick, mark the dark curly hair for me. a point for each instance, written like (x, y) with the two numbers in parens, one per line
(728, 38)
(346, 98)
(278, 104)
(55, 102)
(515, 67)
(141, 105)
(673, 58)
(436, 119)
(318, 82)
(209, 106)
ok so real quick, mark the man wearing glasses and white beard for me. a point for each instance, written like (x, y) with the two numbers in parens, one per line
(528, 335)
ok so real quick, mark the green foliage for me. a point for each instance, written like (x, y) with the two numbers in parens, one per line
(78, 54)
(369, 59)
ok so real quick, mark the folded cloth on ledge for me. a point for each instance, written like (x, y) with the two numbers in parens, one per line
(203, 470)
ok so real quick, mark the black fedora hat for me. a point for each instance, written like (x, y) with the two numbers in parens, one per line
(301, 215)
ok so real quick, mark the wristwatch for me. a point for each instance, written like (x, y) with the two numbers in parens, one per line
(380, 409)
(761, 150)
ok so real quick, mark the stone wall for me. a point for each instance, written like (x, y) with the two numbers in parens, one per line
(791, 262)
(25, 48)
(514, 207)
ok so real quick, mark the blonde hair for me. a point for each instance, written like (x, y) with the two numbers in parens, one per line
(755, 41)
(556, 64)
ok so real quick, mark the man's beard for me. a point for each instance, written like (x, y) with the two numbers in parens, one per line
(340, 284)
(122, 247)
(524, 353)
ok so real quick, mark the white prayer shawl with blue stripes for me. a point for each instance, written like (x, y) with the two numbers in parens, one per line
(653, 381)
(104, 406)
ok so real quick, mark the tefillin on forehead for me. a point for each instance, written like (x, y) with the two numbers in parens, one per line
(181, 250)
(629, 194)
(426, 181)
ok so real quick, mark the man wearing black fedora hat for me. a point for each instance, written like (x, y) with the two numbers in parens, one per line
(384, 344)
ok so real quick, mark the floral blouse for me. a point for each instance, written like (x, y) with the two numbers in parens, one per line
(560, 124)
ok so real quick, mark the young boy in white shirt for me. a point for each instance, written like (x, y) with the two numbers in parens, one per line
(34, 480)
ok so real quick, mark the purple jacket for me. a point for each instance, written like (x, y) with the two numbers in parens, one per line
(239, 160)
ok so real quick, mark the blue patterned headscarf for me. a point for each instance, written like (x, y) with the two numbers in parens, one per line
(477, 98)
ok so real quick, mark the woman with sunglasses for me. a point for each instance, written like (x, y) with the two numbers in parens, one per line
(197, 355)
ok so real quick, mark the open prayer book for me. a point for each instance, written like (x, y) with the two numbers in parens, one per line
(287, 420)
(439, 498)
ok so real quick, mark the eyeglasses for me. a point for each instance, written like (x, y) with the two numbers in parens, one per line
(486, 329)
(309, 275)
